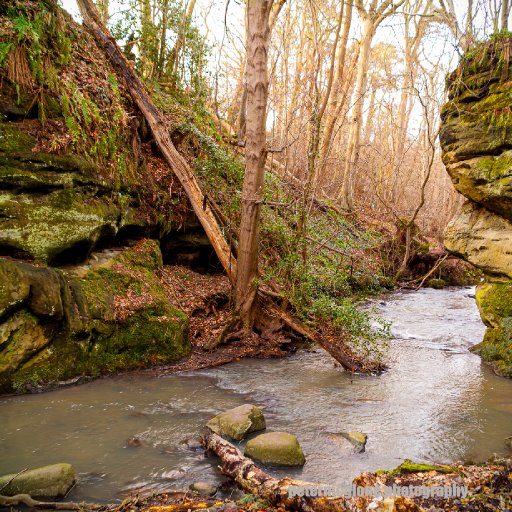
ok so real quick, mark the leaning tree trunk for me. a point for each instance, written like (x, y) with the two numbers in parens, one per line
(200, 204)
(257, 40)
(157, 124)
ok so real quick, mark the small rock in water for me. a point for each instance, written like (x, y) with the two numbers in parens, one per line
(238, 422)
(349, 441)
(275, 448)
(203, 488)
(133, 442)
(508, 442)
(173, 474)
(191, 444)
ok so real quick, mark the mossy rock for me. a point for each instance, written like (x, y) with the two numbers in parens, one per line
(437, 284)
(476, 133)
(494, 302)
(482, 238)
(349, 442)
(408, 467)
(111, 317)
(57, 207)
(496, 347)
(237, 423)
(48, 482)
(21, 337)
(280, 448)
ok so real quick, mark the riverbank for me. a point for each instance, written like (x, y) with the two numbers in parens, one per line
(412, 411)
(475, 488)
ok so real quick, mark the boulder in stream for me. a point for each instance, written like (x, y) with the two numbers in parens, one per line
(50, 482)
(275, 448)
(238, 422)
(508, 442)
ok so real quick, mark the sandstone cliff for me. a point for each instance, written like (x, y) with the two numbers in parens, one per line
(78, 177)
(476, 140)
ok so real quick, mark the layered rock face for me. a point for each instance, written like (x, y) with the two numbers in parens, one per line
(476, 140)
(108, 315)
(76, 178)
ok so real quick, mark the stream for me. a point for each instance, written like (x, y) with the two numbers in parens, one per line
(437, 403)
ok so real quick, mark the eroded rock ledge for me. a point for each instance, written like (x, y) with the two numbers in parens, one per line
(476, 140)
(107, 315)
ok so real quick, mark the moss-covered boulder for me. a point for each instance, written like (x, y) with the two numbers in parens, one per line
(237, 423)
(108, 315)
(49, 482)
(494, 300)
(348, 442)
(496, 348)
(279, 448)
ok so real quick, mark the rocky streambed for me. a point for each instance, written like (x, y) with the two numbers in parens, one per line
(437, 403)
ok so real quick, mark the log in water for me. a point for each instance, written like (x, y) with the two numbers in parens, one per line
(436, 403)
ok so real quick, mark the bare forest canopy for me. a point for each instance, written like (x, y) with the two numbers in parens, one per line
(355, 88)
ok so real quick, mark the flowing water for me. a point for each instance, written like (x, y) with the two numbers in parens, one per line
(437, 402)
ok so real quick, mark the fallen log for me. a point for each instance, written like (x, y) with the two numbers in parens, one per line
(157, 125)
(337, 349)
(254, 480)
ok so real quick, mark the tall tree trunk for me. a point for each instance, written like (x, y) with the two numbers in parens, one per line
(505, 13)
(242, 116)
(352, 155)
(257, 42)
(175, 54)
(158, 70)
(103, 10)
(333, 110)
(147, 27)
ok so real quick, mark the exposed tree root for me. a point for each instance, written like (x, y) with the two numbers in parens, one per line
(206, 214)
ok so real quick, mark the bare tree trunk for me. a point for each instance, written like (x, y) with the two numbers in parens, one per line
(352, 155)
(242, 116)
(159, 68)
(257, 41)
(103, 10)
(341, 77)
(255, 481)
(371, 19)
(146, 20)
(174, 58)
(505, 13)
(316, 117)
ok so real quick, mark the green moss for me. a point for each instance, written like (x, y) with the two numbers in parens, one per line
(438, 284)
(413, 467)
(98, 337)
(494, 302)
(496, 348)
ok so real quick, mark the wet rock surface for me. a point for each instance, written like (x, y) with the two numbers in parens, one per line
(237, 423)
(279, 448)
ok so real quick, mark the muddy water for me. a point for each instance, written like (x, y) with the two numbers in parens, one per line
(436, 403)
